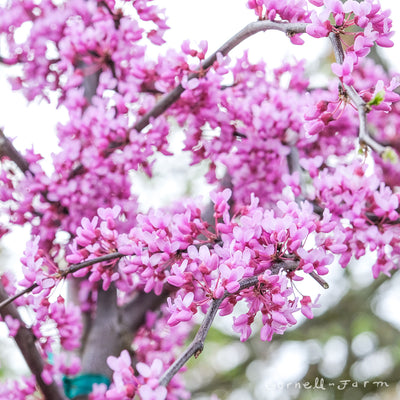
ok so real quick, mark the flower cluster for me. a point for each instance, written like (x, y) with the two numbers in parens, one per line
(126, 385)
(156, 340)
(21, 389)
(364, 211)
(35, 271)
(288, 10)
(271, 298)
(68, 323)
(251, 125)
(338, 17)
(161, 250)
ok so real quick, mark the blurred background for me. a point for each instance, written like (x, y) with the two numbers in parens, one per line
(351, 349)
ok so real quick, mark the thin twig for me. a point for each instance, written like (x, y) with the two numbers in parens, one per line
(320, 280)
(197, 345)
(7, 149)
(63, 273)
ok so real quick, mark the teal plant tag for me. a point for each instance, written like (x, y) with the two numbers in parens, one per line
(82, 384)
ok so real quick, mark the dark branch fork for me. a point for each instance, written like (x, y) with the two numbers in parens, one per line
(197, 345)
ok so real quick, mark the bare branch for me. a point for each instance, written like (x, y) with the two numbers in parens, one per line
(25, 340)
(76, 267)
(196, 346)
(133, 313)
(320, 280)
(9, 300)
(63, 273)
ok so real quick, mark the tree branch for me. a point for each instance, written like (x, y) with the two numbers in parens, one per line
(25, 340)
(63, 273)
(7, 149)
(173, 96)
(104, 336)
(249, 30)
(133, 313)
(197, 345)
(362, 107)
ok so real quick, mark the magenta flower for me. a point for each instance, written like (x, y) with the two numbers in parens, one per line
(181, 309)
(344, 71)
(13, 325)
(307, 305)
(125, 384)
(287, 10)
(386, 202)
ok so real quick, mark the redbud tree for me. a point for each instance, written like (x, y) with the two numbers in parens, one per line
(310, 178)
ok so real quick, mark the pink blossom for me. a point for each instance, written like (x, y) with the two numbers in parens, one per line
(344, 71)
(68, 322)
(12, 324)
(220, 200)
(125, 384)
(230, 278)
(307, 305)
(386, 203)
(182, 309)
(290, 10)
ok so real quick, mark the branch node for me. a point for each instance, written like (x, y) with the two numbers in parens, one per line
(198, 352)
(320, 280)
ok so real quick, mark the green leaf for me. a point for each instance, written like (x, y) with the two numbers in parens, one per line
(390, 155)
(377, 99)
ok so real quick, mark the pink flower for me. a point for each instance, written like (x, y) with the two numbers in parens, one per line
(242, 324)
(182, 309)
(151, 390)
(178, 277)
(344, 71)
(12, 324)
(307, 305)
(148, 393)
(125, 384)
(68, 322)
(220, 199)
(230, 278)
(386, 203)
(288, 10)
